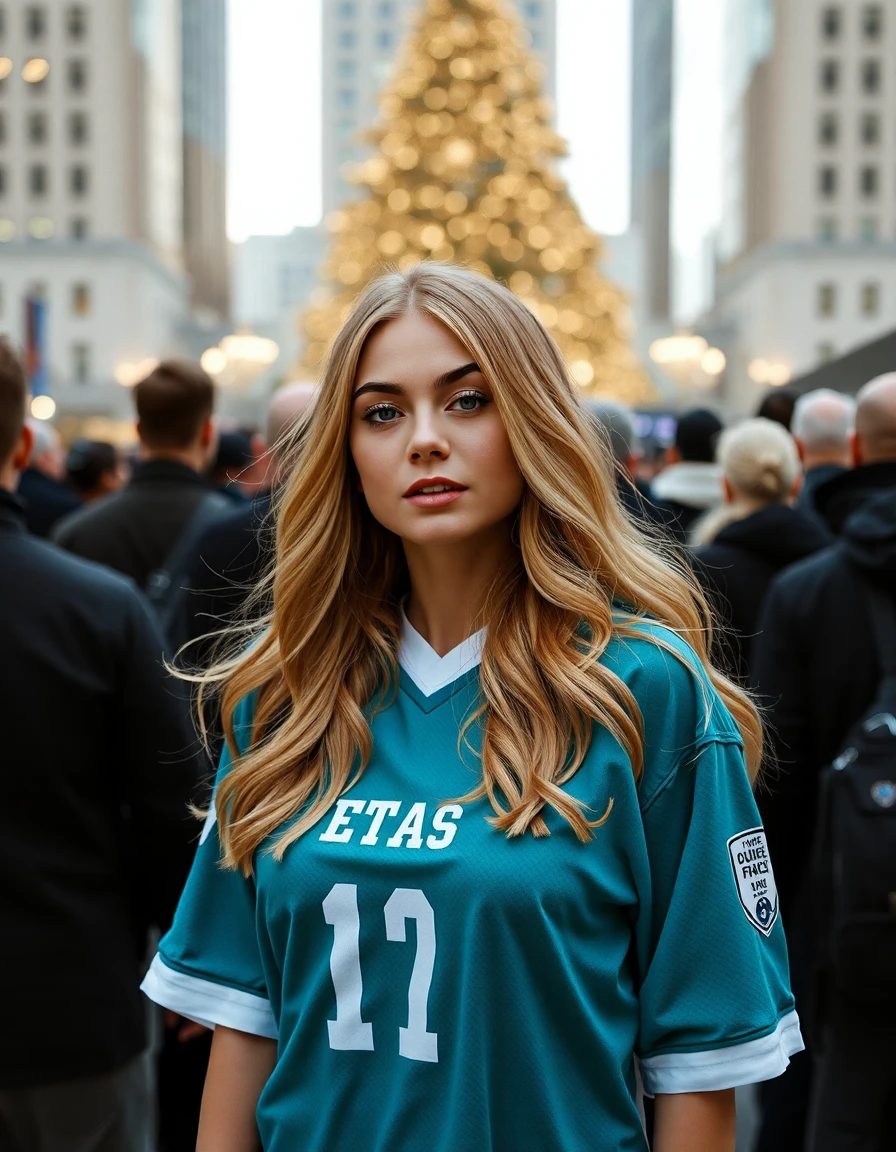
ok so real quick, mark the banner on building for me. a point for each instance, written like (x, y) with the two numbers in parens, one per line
(36, 353)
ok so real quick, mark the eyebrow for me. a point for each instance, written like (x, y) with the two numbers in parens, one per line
(443, 381)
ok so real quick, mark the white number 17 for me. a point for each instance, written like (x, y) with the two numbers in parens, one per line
(348, 1032)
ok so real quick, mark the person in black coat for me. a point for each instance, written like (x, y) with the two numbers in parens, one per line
(40, 488)
(823, 427)
(99, 766)
(818, 672)
(136, 530)
(755, 535)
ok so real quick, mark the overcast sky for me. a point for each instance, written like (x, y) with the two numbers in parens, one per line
(274, 114)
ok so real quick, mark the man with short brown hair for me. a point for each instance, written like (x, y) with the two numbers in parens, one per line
(136, 531)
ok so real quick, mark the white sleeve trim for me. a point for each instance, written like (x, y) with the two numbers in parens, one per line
(208, 1003)
(713, 1071)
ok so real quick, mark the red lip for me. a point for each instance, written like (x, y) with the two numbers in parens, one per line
(433, 481)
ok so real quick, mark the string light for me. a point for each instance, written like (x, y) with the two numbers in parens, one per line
(465, 170)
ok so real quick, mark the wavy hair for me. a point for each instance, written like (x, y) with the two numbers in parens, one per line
(325, 658)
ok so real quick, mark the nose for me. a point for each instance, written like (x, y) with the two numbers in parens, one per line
(428, 441)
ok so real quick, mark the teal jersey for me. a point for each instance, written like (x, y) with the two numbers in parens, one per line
(433, 985)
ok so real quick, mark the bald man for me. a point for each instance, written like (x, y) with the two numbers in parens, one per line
(819, 670)
(873, 452)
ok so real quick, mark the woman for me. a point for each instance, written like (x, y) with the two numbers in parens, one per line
(757, 532)
(486, 829)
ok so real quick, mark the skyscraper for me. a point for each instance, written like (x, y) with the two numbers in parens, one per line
(91, 188)
(808, 234)
(360, 41)
(651, 151)
(204, 55)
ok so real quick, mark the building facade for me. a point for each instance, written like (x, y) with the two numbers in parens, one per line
(206, 251)
(653, 35)
(808, 231)
(96, 126)
(361, 40)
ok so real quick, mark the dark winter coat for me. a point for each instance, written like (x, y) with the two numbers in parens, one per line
(46, 501)
(98, 768)
(817, 668)
(838, 498)
(135, 530)
(737, 568)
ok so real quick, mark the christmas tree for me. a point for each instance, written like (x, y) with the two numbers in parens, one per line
(465, 171)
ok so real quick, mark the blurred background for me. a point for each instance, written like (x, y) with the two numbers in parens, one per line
(172, 174)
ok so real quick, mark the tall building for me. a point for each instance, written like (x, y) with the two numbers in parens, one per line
(361, 39)
(90, 189)
(204, 55)
(808, 232)
(651, 152)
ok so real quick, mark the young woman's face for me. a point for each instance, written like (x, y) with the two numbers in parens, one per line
(432, 455)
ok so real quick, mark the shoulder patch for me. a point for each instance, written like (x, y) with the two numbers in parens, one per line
(754, 878)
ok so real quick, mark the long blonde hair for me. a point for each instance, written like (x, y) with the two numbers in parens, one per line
(325, 657)
(760, 461)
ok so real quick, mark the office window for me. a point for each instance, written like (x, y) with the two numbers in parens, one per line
(385, 41)
(872, 21)
(2, 21)
(80, 299)
(347, 39)
(4, 180)
(830, 22)
(830, 75)
(347, 97)
(828, 128)
(77, 75)
(533, 9)
(35, 22)
(870, 299)
(37, 127)
(348, 10)
(347, 69)
(870, 128)
(2, 127)
(76, 22)
(871, 76)
(38, 180)
(78, 179)
(825, 352)
(77, 128)
(81, 363)
(827, 228)
(827, 299)
(869, 182)
(386, 9)
(827, 180)
(78, 228)
(868, 228)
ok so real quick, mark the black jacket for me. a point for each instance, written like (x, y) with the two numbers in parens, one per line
(838, 498)
(95, 837)
(814, 479)
(135, 530)
(737, 568)
(46, 501)
(229, 557)
(818, 672)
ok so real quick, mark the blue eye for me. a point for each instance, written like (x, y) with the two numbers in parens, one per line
(382, 414)
(469, 402)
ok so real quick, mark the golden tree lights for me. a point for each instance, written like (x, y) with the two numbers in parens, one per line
(465, 171)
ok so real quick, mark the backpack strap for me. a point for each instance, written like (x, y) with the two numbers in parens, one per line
(883, 619)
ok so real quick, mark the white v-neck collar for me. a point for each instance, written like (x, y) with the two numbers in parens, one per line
(427, 668)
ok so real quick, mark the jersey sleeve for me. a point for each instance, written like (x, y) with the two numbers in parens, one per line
(716, 1010)
(208, 967)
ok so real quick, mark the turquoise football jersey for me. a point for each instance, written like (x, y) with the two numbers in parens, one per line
(436, 987)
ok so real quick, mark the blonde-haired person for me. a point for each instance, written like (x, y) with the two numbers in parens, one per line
(483, 840)
(756, 533)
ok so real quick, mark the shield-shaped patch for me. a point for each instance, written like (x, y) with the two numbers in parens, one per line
(754, 878)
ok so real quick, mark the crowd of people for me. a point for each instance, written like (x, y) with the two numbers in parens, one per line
(108, 568)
